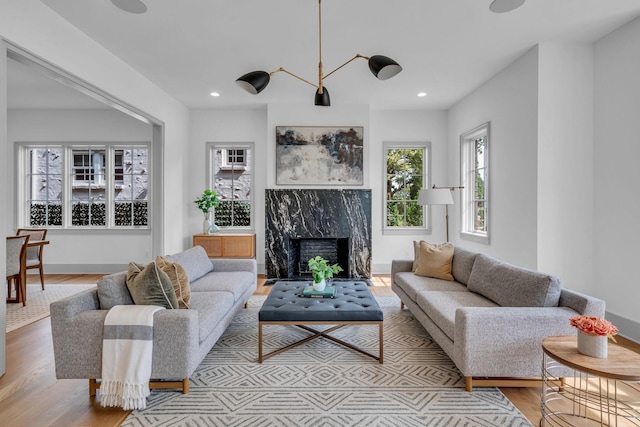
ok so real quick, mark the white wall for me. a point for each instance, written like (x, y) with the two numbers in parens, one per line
(616, 195)
(509, 102)
(565, 163)
(77, 251)
(228, 125)
(409, 126)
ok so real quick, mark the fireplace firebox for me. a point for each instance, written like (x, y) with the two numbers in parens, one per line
(333, 249)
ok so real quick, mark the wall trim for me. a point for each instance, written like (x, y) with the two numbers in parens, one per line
(627, 328)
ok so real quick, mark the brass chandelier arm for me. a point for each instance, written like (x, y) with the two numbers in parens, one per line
(346, 63)
(293, 75)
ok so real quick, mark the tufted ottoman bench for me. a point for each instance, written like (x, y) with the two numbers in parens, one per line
(353, 305)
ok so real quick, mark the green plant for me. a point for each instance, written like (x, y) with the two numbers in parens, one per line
(320, 269)
(208, 200)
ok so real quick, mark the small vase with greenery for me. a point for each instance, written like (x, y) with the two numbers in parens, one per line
(321, 271)
(207, 201)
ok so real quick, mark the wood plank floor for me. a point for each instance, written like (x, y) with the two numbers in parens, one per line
(30, 395)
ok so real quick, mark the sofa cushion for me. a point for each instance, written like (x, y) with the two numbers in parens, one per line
(195, 262)
(435, 260)
(149, 285)
(112, 291)
(211, 308)
(412, 284)
(235, 282)
(462, 264)
(511, 286)
(441, 306)
(178, 278)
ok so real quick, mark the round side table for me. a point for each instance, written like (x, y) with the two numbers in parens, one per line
(579, 390)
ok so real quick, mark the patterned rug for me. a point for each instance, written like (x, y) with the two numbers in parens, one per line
(324, 384)
(38, 303)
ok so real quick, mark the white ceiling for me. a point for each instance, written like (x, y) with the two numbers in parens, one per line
(447, 48)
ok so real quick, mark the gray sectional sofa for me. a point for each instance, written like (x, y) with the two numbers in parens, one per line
(181, 338)
(492, 318)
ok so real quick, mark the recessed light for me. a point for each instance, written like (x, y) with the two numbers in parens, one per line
(214, 94)
(502, 6)
(422, 94)
(131, 6)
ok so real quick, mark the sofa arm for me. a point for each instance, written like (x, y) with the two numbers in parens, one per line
(226, 264)
(176, 341)
(398, 265)
(581, 303)
(511, 335)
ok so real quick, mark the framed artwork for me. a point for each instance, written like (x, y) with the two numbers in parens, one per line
(325, 155)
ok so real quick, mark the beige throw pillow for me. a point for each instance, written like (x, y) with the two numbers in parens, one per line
(435, 261)
(179, 280)
(149, 285)
(416, 254)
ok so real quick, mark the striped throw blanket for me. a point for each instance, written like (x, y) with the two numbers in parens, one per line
(127, 349)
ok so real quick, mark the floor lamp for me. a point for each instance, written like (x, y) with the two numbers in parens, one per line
(437, 196)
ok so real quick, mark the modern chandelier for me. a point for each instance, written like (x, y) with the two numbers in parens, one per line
(381, 66)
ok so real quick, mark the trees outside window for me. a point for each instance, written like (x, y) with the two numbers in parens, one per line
(406, 173)
(475, 178)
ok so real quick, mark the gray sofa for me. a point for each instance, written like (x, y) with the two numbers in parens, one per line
(492, 318)
(181, 338)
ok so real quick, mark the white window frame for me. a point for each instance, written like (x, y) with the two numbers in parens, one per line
(211, 148)
(69, 182)
(227, 165)
(468, 173)
(426, 180)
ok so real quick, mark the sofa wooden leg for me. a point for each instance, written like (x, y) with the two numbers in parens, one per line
(401, 305)
(468, 384)
(93, 386)
(185, 386)
(246, 304)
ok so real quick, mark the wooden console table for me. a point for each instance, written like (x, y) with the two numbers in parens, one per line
(227, 245)
(602, 392)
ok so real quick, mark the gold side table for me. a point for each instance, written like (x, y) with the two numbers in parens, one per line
(579, 390)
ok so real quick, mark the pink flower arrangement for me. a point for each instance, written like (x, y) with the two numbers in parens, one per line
(592, 325)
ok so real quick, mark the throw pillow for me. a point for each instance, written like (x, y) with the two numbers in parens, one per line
(416, 254)
(179, 280)
(435, 261)
(149, 285)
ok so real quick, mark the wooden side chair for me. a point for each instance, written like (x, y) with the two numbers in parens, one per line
(17, 267)
(34, 254)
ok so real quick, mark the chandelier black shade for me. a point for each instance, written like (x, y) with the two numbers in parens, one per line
(254, 82)
(322, 98)
(382, 67)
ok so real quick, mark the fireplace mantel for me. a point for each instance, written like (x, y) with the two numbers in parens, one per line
(310, 213)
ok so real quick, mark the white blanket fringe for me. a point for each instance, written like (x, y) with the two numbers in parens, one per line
(127, 350)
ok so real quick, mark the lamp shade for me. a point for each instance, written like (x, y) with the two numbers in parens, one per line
(435, 196)
(383, 67)
(254, 82)
(323, 99)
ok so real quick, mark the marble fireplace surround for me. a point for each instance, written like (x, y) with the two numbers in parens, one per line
(294, 217)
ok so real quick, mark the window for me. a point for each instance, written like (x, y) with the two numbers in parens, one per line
(231, 177)
(84, 186)
(475, 173)
(406, 175)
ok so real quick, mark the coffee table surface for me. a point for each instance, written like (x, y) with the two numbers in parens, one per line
(353, 302)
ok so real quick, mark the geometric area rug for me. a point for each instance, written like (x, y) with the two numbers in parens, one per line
(324, 384)
(38, 302)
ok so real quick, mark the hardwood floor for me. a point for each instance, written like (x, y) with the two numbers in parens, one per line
(30, 395)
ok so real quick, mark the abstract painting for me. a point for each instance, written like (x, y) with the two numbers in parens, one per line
(307, 155)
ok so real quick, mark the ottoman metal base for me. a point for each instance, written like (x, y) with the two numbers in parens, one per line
(323, 334)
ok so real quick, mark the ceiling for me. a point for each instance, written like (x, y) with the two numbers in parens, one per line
(447, 48)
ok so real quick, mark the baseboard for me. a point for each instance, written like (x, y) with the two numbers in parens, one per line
(626, 328)
(82, 268)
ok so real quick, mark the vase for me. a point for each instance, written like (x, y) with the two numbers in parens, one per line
(213, 228)
(320, 285)
(206, 224)
(592, 345)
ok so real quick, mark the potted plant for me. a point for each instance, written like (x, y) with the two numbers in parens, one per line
(321, 270)
(207, 201)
